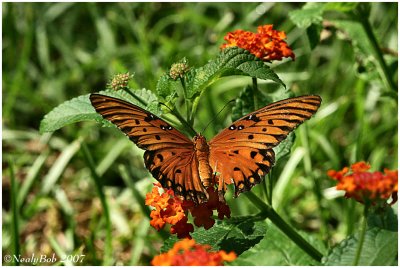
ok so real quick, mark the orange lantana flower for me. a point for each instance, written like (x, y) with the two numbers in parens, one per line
(267, 44)
(362, 185)
(170, 209)
(187, 253)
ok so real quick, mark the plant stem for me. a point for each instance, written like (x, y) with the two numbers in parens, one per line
(255, 93)
(139, 99)
(363, 18)
(361, 236)
(270, 213)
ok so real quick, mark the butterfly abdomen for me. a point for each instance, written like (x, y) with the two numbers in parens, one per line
(203, 155)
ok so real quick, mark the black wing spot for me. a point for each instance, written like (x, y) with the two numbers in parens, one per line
(173, 153)
(270, 122)
(250, 137)
(236, 169)
(169, 128)
(137, 122)
(163, 127)
(285, 128)
(233, 127)
(134, 138)
(253, 154)
(178, 171)
(149, 118)
(158, 137)
(144, 129)
(253, 118)
(280, 137)
(236, 152)
(240, 127)
(159, 156)
(264, 129)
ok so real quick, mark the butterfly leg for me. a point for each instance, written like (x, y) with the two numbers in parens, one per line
(221, 189)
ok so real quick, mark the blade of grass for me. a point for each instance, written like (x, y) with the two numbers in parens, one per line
(283, 183)
(59, 250)
(109, 159)
(308, 168)
(108, 243)
(139, 242)
(15, 215)
(31, 177)
(69, 213)
(57, 169)
(138, 196)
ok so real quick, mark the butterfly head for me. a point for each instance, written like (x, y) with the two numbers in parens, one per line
(200, 143)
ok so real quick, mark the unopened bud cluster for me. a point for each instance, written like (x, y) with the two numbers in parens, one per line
(120, 81)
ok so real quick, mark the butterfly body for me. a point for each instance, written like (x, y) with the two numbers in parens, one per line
(241, 154)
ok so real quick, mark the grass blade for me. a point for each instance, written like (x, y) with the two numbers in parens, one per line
(108, 243)
(15, 215)
(57, 169)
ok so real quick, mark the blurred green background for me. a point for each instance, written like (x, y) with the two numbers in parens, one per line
(53, 52)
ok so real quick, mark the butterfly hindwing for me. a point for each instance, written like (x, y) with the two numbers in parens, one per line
(169, 155)
(243, 153)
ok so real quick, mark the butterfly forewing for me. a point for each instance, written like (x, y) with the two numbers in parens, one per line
(243, 153)
(169, 156)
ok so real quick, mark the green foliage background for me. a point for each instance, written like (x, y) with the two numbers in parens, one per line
(53, 52)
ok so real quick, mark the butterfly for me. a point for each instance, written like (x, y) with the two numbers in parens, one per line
(241, 153)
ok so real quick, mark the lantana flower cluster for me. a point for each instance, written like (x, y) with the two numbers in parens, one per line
(365, 186)
(187, 253)
(267, 44)
(169, 208)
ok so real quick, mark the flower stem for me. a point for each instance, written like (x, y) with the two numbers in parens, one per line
(361, 237)
(270, 213)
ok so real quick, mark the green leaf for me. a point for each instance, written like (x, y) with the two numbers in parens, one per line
(310, 13)
(80, 109)
(236, 234)
(250, 100)
(341, 6)
(313, 34)
(383, 218)
(231, 61)
(167, 88)
(357, 35)
(379, 248)
(277, 249)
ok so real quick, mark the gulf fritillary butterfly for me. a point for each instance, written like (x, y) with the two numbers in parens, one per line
(242, 153)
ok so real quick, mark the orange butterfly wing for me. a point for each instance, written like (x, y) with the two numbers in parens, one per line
(242, 153)
(169, 155)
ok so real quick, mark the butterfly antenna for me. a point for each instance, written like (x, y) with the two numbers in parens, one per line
(181, 119)
(229, 102)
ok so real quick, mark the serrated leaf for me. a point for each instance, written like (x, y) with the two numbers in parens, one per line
(236, 234)
(310, 13)
(231, 61)
(167, 88)
(384, 218)
(379, 248)
(277, 249)
(284, 148)
(80, 109)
